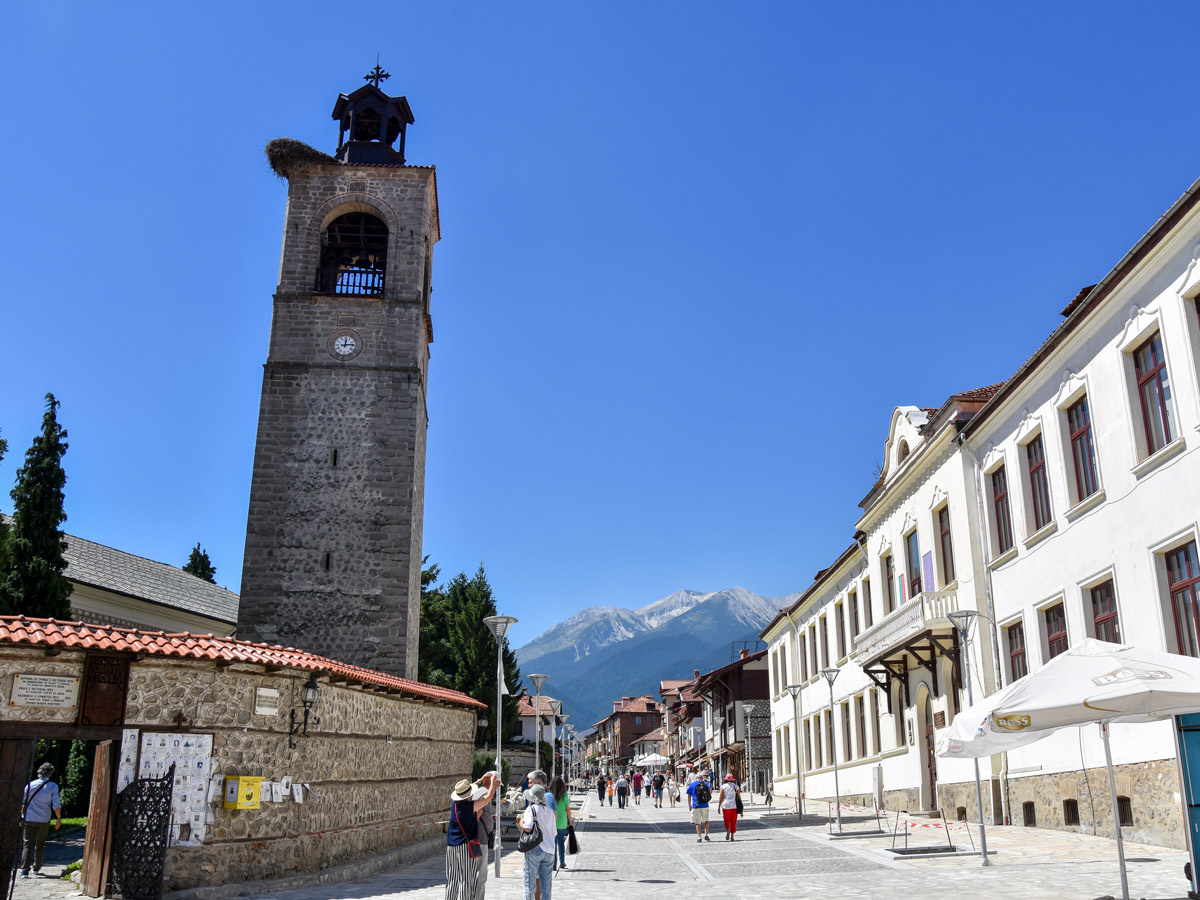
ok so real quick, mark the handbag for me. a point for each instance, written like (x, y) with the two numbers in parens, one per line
(530, 839)
(473, 846)
(741, 809)
(572, 841)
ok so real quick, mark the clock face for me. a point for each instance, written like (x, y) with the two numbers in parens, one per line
(344, 344)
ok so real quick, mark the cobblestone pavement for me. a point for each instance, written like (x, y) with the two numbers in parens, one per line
(643, 852)
(61, 850)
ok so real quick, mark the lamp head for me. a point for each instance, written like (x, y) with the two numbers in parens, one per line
(962, 619)
(830, 674)
(794, 689)
(538, 681)
(308, 693)
(748, 708)
(482, 722)
(500, 625)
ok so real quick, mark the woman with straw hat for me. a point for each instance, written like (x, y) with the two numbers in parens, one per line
(463, 847)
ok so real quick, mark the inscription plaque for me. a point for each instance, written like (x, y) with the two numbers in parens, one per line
(46, 691)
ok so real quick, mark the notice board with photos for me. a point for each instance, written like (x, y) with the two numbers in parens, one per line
(150, 754)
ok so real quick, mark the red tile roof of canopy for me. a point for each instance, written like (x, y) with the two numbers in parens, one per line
(82, 636)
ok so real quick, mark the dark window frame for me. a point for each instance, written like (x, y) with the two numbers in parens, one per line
(947, 545)
(912, 556)
(1055, 618)
(1002, 510)
(853, 604)
(1154, 383)
(889, 577)
(868, 613)
(1039, 483)
(1183, 586)
(1106, 625)
(840, 623)
(1018, 661)
(1083, 449)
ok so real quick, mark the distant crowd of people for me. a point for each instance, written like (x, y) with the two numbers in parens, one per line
(471, 829)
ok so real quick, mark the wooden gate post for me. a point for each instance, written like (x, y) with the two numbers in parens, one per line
(98, 840)
(16, 761)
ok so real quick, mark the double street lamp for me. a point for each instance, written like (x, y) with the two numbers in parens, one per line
(962, 619)
(748, 708)
(830, 675)
(794, 690)
(499, 626)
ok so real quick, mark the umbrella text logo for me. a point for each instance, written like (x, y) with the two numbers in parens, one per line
(1013, 722)
(1127, 673)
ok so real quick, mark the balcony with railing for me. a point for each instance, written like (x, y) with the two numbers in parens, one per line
(924, 613)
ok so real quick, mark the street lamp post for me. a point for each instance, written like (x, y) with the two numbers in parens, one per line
(794, 690)
(830, 675)
(719, 735)
(499, 626)
(962, 619)
(538, 730)
(554, 743)
(749, 708)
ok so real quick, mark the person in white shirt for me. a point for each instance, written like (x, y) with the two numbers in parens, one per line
(539, 862)
(729, 805)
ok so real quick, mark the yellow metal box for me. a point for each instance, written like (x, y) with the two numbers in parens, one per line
(242, 791)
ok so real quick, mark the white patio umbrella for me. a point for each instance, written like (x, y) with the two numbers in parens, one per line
(651, 759)
(1093, 682)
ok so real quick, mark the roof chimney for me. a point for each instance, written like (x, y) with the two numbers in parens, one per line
(695, 674)
(617, 704)
(743, 653)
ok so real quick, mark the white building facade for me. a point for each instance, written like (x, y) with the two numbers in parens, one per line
(1089, 468)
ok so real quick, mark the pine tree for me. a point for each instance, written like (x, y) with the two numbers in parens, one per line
(32, 583)
(473, 649)
(200, 565)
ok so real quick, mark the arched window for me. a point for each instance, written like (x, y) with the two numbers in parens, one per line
(902, 451)
(367, 124)
(353, 255)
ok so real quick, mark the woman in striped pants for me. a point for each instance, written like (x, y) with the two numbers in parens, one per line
(462, 837)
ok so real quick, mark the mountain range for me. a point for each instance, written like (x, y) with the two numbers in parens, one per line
(604, 653)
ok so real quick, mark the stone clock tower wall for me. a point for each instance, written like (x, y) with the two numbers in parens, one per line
(333, 538)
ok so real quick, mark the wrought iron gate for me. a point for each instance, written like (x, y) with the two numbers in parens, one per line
(140, 838)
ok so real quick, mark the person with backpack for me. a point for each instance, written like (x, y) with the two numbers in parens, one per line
(37, 803)
(698, 797)
(730, 794)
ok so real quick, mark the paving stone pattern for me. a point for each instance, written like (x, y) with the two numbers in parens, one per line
(651, 853)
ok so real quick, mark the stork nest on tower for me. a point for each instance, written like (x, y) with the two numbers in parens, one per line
(287, 155)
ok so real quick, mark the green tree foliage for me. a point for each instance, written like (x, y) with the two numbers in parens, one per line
(485, 761)
(32, 583)
(200, 565)
(3, 524)
(458, 650)
(434, 660)
(76, 785)
(473, 648)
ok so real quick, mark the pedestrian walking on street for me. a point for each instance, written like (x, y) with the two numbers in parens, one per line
(563, 818)
(539, 862)
(657, 782)
(37, 803)
(729, 805)
(485, 788)
(698, 797)
(673, 790)
(637, 788)
(622, 791)
(601, 784)
(610, 793)
(463, 847)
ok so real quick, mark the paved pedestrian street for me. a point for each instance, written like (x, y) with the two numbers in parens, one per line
(643, 852)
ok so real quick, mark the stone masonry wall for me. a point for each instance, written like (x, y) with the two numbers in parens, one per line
(381, 766)
(333, 543)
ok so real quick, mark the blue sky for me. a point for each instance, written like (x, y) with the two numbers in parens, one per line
(693, 254)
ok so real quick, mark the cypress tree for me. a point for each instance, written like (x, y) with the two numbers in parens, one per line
(3, 524)
(200, 565)
(33, 583)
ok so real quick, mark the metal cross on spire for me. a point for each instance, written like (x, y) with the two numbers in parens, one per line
(377, 74)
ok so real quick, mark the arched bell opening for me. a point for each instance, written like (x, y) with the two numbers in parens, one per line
(353, 256)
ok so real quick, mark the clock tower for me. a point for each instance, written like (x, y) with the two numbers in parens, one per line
(333, 536)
